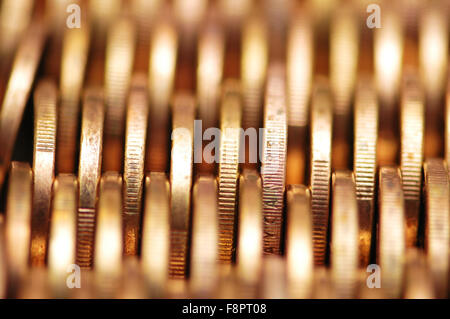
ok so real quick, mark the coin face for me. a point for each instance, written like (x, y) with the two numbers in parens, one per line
(273, 168)
(392, 233)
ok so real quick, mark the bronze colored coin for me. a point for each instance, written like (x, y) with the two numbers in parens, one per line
(254, 60)
(181, 181)
(365, 157)
(344, 51)
(89, 173)
(231, 111)
(447, 124)
(204, 270)
(16, 96)
(274, 281)
(299, 247)
(156, 233)
(163, 56)
(437, 222)
(135, 138)
(73, 65)
(45, 100)
(17, 225)
(321, 128)
(108, 235)
(344, 236)
(63, 233)
(418, 279)
(15, 17)
(273, 168)
(211, 51)
(412, 132)
(3, 260)
(391, 231)
(250, 237)
(120, 50)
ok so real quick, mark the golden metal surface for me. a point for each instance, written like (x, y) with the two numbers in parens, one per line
(62, 235)
(108, 235)
(204, 270)
(437, 223)
(17, 226)
(320, 170)
(133, 170)
(230, 124)
(19, 86)
(392, 231)
(365, 161)
(156, 233)
(273, 167)
(411, 156)
(45, 117)
(299, 251)
(181, 181)
(344, 235)
(89, 173)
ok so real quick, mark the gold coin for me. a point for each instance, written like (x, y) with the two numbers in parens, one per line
(447, 124)
(344, 51)
(412, 131)
(230, 124)
(437, 222)
(15, 17)
(418, 282)
(299, 71)
(388, 57)
(163, 56)
(365, 157)
(211, 51)
(254, 59)
(321, 128)
(274, 278)
(17, 226)
(156, 233)
(391, 231)
(344, 236)
(3, 260)
(250, 236)
(102, 15)
(108, 235)
(181, 181)
(204, 270)
(63, 231)
(133, 285)
(73, 65)
(120, 50)
(299, 249)
(135, 138)
(89, 173)
(45, 100)
(273, 168)
(20, 81)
